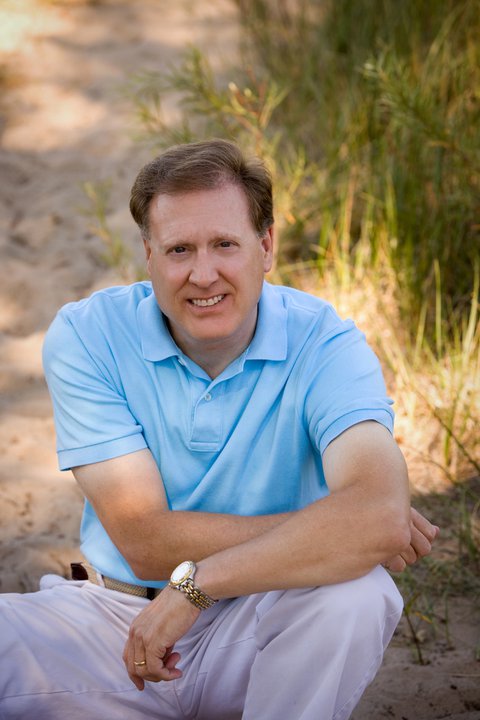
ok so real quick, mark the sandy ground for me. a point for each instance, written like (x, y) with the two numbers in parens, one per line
(64, 121)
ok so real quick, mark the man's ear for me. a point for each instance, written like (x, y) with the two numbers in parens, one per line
(267, 246)
(148, 252)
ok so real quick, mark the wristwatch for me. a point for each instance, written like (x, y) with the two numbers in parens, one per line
(182, 579)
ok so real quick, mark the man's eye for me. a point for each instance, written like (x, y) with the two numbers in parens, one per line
(225, 243)
(179, 249)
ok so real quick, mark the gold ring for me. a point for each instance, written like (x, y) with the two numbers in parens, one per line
(140, 664)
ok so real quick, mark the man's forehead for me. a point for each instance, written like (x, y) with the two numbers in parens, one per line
(225, 188)
(222, 210)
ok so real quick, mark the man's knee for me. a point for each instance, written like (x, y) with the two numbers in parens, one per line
(373, 595)
(364, 609)
(369, 607)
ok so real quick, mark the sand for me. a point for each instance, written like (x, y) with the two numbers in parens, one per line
(64, 120)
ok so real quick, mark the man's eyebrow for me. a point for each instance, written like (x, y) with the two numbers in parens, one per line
(187, 239)
(226, 236)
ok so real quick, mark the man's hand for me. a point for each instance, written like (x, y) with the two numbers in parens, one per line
(153, 635)
(423, 536)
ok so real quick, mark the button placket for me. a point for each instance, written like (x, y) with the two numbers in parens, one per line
(207, 428)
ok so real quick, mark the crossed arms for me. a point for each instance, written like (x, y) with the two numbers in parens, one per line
(366, 520)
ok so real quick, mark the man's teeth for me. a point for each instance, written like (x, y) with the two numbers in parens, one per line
(210, 301)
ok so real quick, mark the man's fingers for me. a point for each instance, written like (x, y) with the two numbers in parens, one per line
(137, 681)
(420, 543)
(139, 653)
(164, 674)
(172, 661)
(133, 655)
(423, 525)
(409, 555)
(129, 658)
(396, 564)
(418, 548)
(162, 668)
(156, 669)
(140, 673)
(422, 536)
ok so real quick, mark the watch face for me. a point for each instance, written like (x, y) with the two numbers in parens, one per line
(181, 572)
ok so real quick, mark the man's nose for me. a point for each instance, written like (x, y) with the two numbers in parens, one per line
(203, 272)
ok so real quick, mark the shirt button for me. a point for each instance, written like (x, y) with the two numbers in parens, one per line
(207, 397)
(181, 361)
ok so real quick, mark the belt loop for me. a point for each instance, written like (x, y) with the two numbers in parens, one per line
(79, 572)
(151, 592)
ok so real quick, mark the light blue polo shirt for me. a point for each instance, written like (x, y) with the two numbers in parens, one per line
(248, 442)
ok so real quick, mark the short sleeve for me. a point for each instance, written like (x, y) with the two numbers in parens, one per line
(92, 419)
(346, 386)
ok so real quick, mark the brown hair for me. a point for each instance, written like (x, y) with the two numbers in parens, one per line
(203, 166)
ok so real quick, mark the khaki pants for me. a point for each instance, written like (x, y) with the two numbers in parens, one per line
(303, 654)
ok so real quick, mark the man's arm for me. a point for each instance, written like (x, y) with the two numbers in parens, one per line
(363, 522)
(129, 498)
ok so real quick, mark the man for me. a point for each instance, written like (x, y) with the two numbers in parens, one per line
(234, 437)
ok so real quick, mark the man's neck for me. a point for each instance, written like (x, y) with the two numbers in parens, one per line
(216, 354)
(214, 359)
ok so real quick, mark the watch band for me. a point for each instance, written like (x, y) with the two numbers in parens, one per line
(196, 596)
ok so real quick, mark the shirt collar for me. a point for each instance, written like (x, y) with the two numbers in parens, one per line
(268, 343)
(157, 343)
(270, 339)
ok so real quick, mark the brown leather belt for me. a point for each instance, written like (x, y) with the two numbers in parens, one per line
(84, 571)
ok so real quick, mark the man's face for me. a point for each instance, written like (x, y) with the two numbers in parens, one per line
(207, 264)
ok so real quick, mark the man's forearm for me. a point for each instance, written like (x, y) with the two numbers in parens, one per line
(319, 545)
(129, 499)
(154, 545)
(363, 522)
(360, 524)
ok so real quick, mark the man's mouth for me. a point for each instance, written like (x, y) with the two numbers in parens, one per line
(207, 302)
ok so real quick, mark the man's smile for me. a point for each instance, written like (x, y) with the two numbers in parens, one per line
(206, 302)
